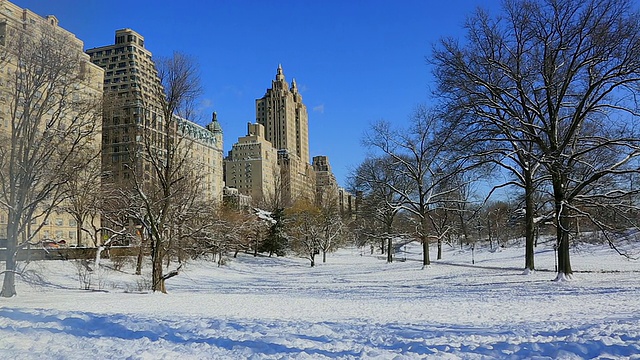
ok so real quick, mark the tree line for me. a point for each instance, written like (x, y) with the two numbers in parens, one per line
(542, 94)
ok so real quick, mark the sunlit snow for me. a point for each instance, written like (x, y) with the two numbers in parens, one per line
(356, 306)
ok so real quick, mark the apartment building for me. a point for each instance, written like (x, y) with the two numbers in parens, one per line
(272, 161)
(252, 166)
(62, 102)
(133, 116)
(326, 184)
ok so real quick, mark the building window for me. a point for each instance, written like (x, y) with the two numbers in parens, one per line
(59, 222)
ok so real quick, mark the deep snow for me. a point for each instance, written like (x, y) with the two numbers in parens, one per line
(354, 306)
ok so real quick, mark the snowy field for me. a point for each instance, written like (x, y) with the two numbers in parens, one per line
(356, 306)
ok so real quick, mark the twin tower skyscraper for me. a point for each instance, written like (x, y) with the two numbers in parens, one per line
(271, 163)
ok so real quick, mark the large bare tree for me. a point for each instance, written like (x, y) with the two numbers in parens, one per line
(420, 155)
(170, 190)
(557, 80)
(53, 116)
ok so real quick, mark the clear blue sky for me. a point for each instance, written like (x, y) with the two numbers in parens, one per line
(355, 62)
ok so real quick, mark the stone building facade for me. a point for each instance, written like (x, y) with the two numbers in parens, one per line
(20, 26)
(286, 124)
(133, 115)
(252, 165)
(326, 184)
(284, 117)
(271, 163)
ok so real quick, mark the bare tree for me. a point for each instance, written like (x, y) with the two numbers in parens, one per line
(332, 224)
(375, 179)
(168, 193)
(50, 101)
(460, 201)
(85, 197)
(420, 155)
(112, 208)
(304, 230)
(559, 77)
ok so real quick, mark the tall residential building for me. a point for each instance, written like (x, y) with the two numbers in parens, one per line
(130, 105)
(284, 117)
(21, 34)
(286, 125)
(133, 114)
(282, 125)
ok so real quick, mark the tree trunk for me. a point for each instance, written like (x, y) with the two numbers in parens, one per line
(140, 253)
(463, 225)
(312, 258)
(529, 232)
(156, 273)
(9, 283)
(564, 260)
(96, 261)
(79, 234)
(382, 245)
(425, 251)
(389, 252)
(426, 261)
(324, 256)
(439, 249)
(255, 248)
(562, 229)
(489, 231)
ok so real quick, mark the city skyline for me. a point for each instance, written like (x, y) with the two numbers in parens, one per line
(354, 62)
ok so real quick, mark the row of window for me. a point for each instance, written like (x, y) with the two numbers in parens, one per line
(56, 222)
(123, 79)
(130, 38)
(118, 50)
(59, 235)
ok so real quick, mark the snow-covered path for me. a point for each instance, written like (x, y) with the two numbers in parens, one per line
(355, 306)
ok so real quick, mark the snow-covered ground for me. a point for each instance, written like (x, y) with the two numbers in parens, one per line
(354, 306)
